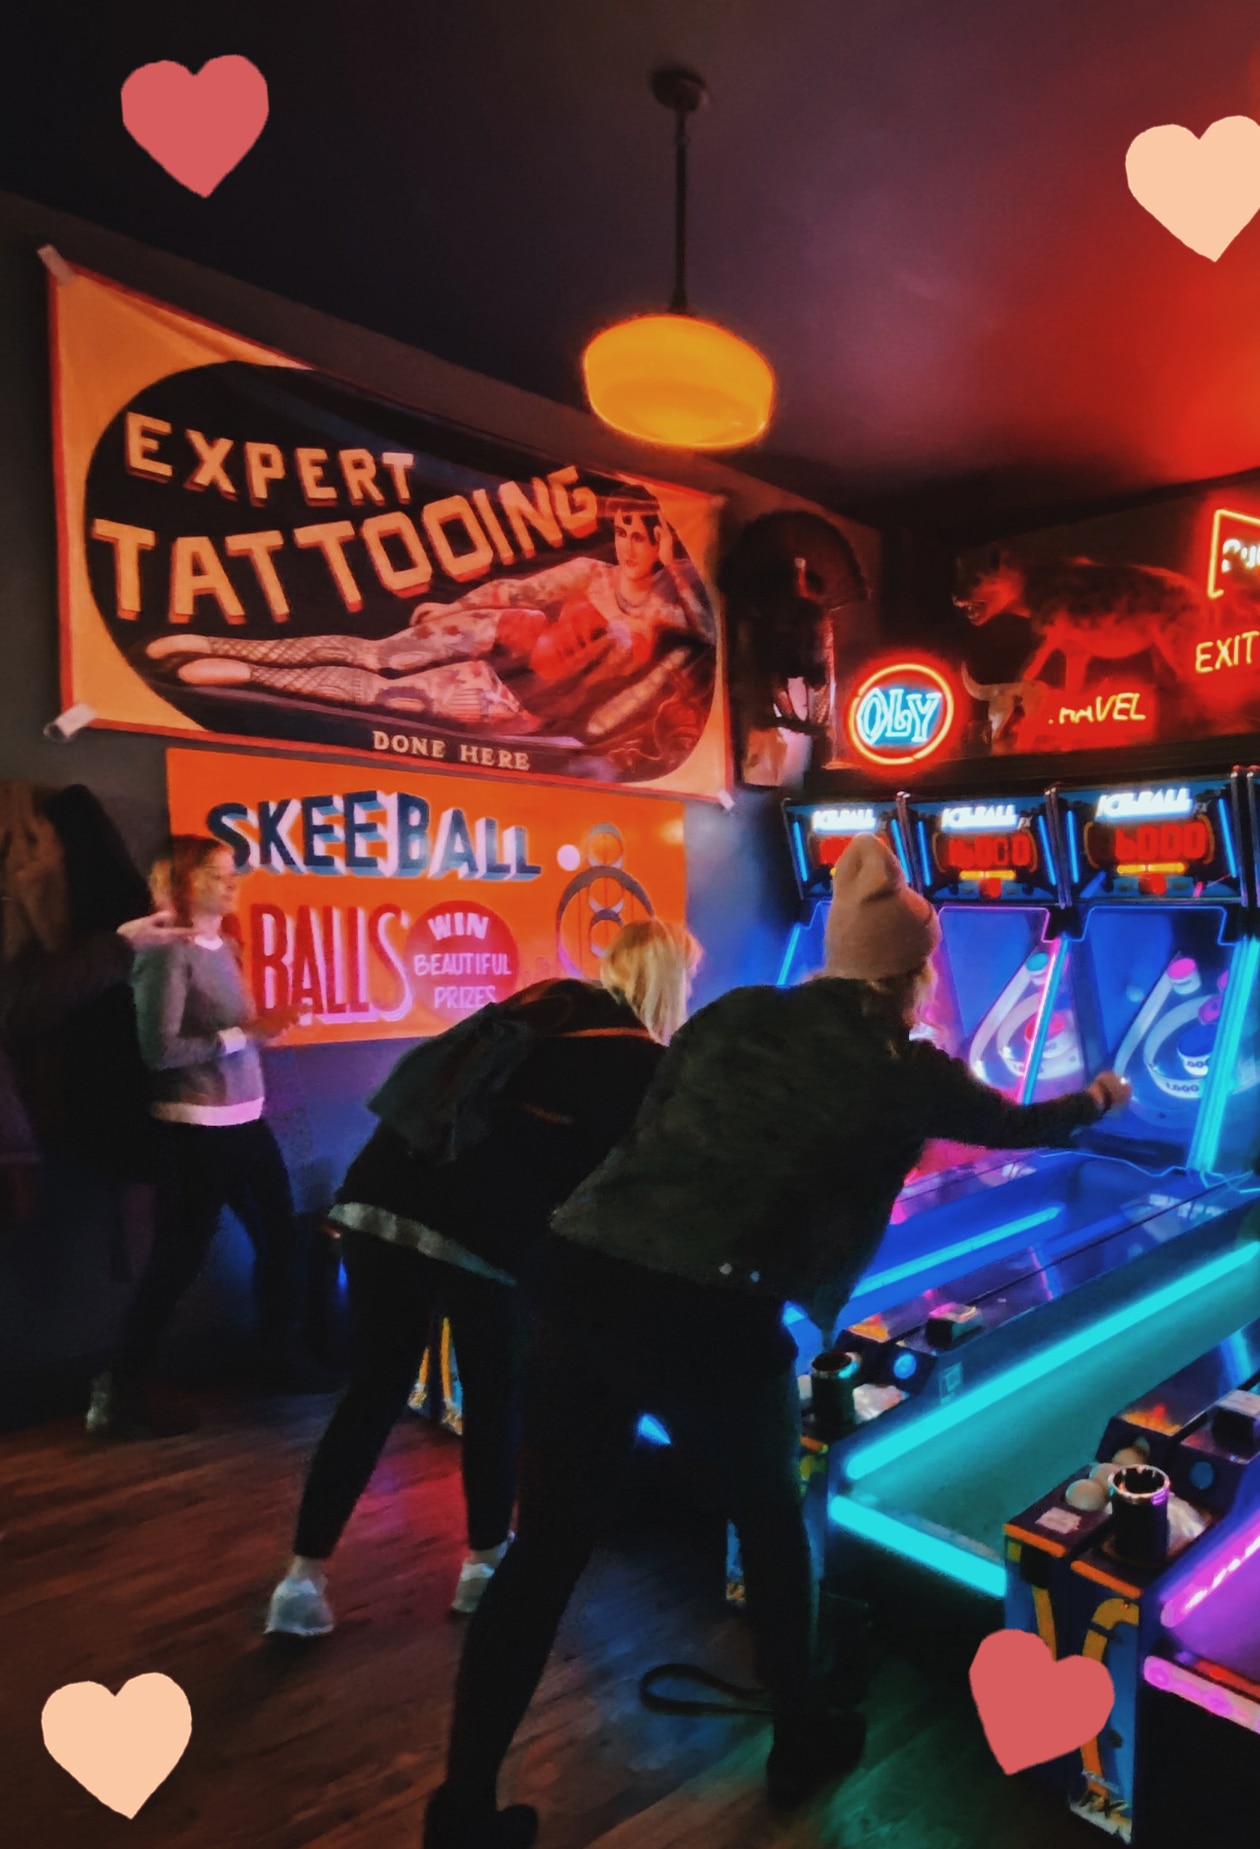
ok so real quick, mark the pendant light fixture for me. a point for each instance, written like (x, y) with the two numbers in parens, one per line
(672, 378)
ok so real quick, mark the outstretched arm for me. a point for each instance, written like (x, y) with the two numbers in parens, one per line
(959, 1107)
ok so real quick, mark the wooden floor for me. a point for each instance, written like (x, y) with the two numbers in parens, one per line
(114, 1562)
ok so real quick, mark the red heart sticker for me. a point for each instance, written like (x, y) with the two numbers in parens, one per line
(1032, 1707)
(196, 127)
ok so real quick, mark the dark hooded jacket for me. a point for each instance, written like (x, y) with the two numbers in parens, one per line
(580, 1062)
(776, 1137)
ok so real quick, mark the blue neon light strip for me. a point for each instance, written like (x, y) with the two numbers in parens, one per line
(926, 1550)
(929, 1261)
(1044, 832)
(1041, 1030)
(919, 1431)
(1205, 1147)
(1227, 833)
(794, 938)
(797, 834)
(653, 1430)
(894, 829)
(1069, 829)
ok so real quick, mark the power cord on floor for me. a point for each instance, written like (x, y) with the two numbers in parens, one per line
(745, 1700)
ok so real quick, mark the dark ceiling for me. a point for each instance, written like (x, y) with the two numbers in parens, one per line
(916, 208)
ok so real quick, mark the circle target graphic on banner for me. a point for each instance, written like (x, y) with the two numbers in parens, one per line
(612, 899)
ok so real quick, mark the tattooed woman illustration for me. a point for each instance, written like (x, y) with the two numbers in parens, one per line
(582, 647)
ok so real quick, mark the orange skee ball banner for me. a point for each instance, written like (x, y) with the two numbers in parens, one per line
(392, 905)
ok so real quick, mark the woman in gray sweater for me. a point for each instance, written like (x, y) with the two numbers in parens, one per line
(199, 1035)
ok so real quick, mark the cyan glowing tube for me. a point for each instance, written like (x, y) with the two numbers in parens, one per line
(1045, 1014)
(924, 1427)
(653, 1431)
(794, 938)
(1069, 829)
(931, 1261)
(1205, 1148)
(981, 1573)
(1044, 832)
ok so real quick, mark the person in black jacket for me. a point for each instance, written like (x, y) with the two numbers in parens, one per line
(417, 1230)
(761, 1170)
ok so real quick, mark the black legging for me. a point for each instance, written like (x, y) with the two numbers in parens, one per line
(393, 1292)
(588, 1381)
(200, 1170)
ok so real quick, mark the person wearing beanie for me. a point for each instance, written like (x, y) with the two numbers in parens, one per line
(761, 1170)
(877, 928)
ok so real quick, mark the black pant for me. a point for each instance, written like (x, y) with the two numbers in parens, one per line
(393, 1292)
(199, 1171)
(588, 1380)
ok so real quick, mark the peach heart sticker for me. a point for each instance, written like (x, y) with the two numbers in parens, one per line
(1032, 1707)
(197, 127)
(119, 1747)
(1204, 190)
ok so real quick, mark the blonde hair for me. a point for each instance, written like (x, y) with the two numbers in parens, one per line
(649, 964)
(896, 1002)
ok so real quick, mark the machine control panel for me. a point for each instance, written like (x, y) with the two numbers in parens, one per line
(996, 849)
(821, 833)
(1178, 842)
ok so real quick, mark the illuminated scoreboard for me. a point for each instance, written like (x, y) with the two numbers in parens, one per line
(820, 833)
(993, 849)
(1175, 842)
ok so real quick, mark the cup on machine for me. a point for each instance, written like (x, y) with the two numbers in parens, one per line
(833, 1377)
(1139, 1513)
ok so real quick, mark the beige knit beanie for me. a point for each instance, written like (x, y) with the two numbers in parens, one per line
(876, 926)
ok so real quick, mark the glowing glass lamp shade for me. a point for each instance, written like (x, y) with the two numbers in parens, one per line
(676, 379)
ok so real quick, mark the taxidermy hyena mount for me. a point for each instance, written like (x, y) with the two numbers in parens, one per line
(783, 581)
(1084, 612)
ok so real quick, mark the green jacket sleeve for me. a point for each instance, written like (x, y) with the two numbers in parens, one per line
(957, 1106)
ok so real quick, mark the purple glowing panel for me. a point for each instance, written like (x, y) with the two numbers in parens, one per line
(1213, 1574)
(1226, 1703)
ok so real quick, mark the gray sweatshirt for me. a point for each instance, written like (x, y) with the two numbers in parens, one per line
(191, 1009)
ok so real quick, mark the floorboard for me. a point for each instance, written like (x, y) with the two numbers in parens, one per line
(115, 1561)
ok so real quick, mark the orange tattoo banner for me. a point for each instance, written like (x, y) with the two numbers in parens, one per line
(254, 550)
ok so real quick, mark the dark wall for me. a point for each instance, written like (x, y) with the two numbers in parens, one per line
(64, 1280)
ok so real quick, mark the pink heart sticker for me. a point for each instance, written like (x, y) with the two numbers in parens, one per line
(1032, 1707)
(196, 127)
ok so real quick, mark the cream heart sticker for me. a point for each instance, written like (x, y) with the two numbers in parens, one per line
(1204, 189)
(119, 1747)
(196, 127)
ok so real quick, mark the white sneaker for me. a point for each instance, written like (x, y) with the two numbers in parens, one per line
(101, 1406)
(474, 1577)
(299, 1609)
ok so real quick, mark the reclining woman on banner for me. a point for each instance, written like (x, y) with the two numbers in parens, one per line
(574, 631)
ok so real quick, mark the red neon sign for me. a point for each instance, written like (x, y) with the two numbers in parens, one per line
(900, 714)
(1235, 549)
(998, 856)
